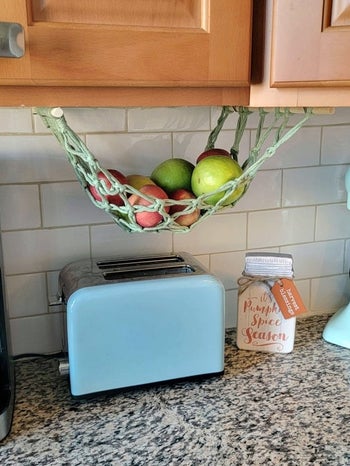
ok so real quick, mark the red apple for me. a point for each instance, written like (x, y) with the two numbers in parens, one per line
(213, 151)
(148, 219)
(112, 199)
(186, 219)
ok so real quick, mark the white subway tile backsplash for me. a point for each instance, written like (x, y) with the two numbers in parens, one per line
(168, 119)
(303, 287)
(228, 267)
(26, 295)
(335, 145)
(231, 309)
(317, 259)
(19, 207)
(315, 185)
(94, 120)
(53, 289)
(295, 204)
(131, 153)
(264, 192)
(254, 119)
(231, 120)
(203, 259)
(30, 251)
(347, 257)
(230, 123)
(66, 204)
(111, 240)
(225, 140)
(280, 227)
(339, 116)
(328, 294)
(332, 221)
(218, 233)
(39, 334)
(303, 149)
(27, 159)
(190, 145)
(16, 120)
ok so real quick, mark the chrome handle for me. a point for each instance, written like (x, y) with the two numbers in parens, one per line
(11, 40)
(63, 367)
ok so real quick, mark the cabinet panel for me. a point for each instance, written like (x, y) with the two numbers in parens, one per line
(89, 96)
(337, 13)
(150, 13)
(15, 70)
(310, 43)
(183, 43)
(261, 92)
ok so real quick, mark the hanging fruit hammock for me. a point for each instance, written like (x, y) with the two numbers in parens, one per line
(272, 125)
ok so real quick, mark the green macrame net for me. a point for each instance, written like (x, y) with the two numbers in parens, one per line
(272, 125)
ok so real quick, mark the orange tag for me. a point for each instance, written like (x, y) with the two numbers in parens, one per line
(288, 298)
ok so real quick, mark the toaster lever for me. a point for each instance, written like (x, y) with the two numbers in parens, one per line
(140, 261)
(56, 300)
(63, 367)
(148, 271)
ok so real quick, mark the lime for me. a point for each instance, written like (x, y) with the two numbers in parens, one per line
(173, 174)
(211, 173)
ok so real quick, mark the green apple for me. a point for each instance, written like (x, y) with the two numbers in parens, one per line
(211, 173)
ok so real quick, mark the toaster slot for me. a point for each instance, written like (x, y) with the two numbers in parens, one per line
(148, 272)
(129, 262)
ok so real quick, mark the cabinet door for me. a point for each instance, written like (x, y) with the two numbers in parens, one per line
(153, 43)
(15, 70)
(310, 43)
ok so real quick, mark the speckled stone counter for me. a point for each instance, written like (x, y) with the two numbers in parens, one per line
(267, 409)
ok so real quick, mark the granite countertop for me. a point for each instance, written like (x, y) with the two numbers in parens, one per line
(267, 409)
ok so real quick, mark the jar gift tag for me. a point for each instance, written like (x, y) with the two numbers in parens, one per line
(288, 298)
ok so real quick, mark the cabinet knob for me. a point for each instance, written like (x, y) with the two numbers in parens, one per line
(11, 40)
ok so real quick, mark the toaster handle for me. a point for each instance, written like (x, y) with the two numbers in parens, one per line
(11, 40)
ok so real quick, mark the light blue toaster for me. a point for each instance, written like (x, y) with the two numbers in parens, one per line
(143, 320)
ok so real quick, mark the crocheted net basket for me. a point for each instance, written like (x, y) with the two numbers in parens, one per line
(273, 123)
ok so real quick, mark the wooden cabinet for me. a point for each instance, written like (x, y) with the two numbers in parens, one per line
(306, 59)
(178, 52)
(311, 43)
(158, 52)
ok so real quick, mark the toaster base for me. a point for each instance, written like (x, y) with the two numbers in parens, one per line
(145, 386)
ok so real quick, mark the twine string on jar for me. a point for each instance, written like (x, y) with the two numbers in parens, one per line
(245, 281)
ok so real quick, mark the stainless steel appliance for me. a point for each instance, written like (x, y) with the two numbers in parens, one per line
(7, 375)
(141, 320)
(11, 46)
